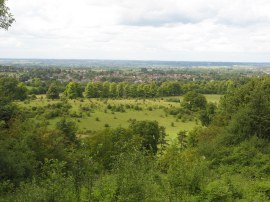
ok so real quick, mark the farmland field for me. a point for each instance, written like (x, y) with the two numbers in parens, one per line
(98, 113)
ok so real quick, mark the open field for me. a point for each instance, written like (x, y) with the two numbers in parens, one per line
(100, 115)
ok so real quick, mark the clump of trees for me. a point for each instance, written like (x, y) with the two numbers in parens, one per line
(12, 89)
(124, 90)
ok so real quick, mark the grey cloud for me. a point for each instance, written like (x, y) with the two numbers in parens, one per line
(157, 19)
(234, 22)
(239, 13)
(181, 18)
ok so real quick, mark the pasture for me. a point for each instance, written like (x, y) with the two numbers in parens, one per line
(96, 114)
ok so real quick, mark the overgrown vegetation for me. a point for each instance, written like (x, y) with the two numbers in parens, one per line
(225, 158)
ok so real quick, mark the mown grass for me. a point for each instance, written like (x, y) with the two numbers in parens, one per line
(100, 116)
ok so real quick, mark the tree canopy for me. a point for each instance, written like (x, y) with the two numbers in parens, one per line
(52, 92)
(194, 101)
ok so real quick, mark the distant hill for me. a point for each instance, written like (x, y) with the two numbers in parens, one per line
(121, 63)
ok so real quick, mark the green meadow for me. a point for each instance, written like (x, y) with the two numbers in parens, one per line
(101, 116)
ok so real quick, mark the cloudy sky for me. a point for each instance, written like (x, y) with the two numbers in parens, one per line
(193, 30)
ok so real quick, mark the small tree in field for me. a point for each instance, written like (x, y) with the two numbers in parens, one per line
(52, 92)
(194, 101)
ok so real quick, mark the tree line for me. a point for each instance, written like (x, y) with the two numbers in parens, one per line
(134, 90)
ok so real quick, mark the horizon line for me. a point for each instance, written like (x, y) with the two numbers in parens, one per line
(139, 60)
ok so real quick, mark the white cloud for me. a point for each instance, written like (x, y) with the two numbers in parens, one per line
(231, 30)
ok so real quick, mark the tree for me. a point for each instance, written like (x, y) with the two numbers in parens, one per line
(11, 89)
(8, 87)
(186, 175)
(170, 89)
(151, 132)
(248, 109)
(22, 91)
(90, 90)
(6, 18)
(53, 184)
(73, 90)
(17, 161)
(68, 128)
(134, 178)
(175, 88)
(113, 90)
(132, 90)
(182, 139)
(207, 115)
(140, 90)
(194, 101)
(99, 86)
(7, 111)
(121, 90)
(153, 89)
(106, 89)
(52, 92)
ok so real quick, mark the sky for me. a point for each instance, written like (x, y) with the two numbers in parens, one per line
(179, 30)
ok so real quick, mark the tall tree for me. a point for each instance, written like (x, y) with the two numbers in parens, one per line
(121, 90)
(106, 89)
(91, 90)
(113, 90)
(73, 90)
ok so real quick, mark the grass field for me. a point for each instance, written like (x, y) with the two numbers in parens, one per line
(100, 115)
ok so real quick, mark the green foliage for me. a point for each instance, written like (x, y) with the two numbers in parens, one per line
(43, 160)
(151, 133)
(169, 89)
(17, 161)
(11, 89)
(134, 178)
(107, 144)
(6, 18)
(194, 101)
(248, 108)
(69, 129)
(7, 111)
(53, 185)
(73, 90)
(22, 91)
(53, 92)
(123, 90)
(207, 115)
(182, 138)
(187, 175)
(91, 90)
(220, 190)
